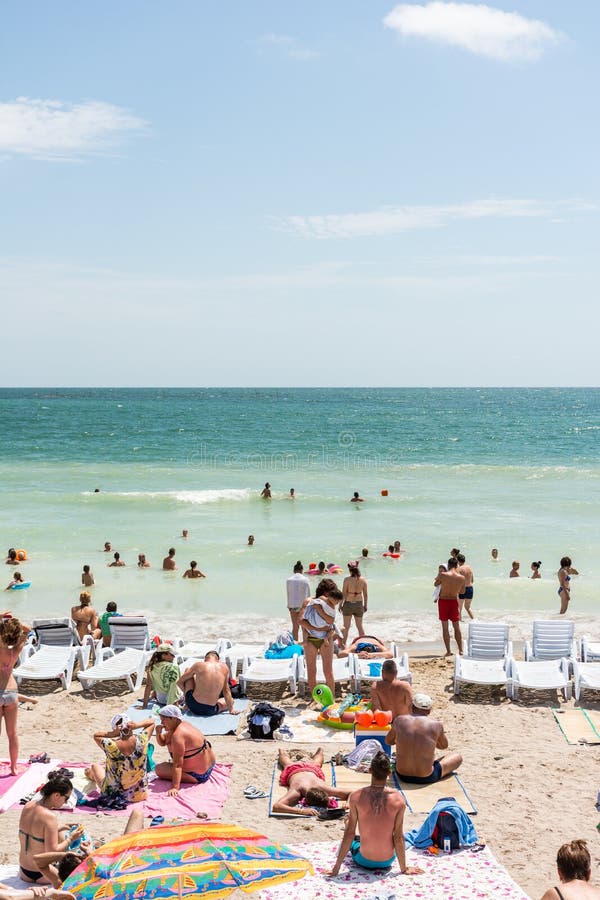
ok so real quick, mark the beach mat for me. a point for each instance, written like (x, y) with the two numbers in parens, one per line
(304, 729)
(223, 723)
(577, 725)
(421, 798)
(350, 780)
(461, 875)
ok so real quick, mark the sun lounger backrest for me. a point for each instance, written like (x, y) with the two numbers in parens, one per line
(552, 640)
(487, 640)
(129, 631)
(55, 632)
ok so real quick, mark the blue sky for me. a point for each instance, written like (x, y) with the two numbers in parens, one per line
(264, 193)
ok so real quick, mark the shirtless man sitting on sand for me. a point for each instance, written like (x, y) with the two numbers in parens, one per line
(192, 756)
(202, 685)
(390, 693)
(304, 778)
(378, 811)
(416, 739)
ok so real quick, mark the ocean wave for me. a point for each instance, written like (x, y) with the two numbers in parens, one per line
(197, 497)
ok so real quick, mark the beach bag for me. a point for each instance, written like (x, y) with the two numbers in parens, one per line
(263, 720)
(362, 756)
(446, 829)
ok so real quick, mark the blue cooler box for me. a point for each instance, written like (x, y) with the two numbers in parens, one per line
(372, 734)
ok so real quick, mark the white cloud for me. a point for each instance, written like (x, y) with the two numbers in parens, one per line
(395, 220)
(478, 28)
(288, 46)
(54, 130)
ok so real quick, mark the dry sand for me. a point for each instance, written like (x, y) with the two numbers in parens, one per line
(533, 791)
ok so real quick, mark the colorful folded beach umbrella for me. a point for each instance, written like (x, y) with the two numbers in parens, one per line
(185, 861)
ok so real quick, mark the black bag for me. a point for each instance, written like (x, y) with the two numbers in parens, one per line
(263, 720)
(446, 828)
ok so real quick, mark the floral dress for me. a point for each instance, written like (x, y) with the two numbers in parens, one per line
(126, 774)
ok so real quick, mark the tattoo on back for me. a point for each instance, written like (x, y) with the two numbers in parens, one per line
(378, 799)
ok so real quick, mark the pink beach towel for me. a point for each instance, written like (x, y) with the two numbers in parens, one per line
(13, 787)
(208, 798)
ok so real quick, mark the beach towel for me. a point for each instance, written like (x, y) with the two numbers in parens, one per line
(577, 725)
(301, 727)
(463, 875)
(208, 798)
(9, 875)
(26, 783)
(223, 723)
(420, 798)
(6, 779)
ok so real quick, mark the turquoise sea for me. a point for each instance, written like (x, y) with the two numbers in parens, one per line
(517, 469)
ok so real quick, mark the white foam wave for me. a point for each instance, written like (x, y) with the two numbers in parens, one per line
(197, 497)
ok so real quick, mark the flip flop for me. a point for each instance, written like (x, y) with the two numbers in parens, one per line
(253, 793)
(157, 820)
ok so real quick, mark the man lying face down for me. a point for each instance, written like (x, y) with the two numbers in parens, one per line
(305, 780)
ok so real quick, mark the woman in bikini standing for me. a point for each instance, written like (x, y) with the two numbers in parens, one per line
(318, 635)
(13, 636)
(356, 597)
(38, 827)
(564, 582)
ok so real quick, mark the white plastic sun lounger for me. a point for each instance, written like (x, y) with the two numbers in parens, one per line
(63, 633)
(487, 661)
(543, 675)
(586, 676)
(342, 671)
(486, 672)
(129, 632)
(199, 649)
(369, 670)
(236, 653)
(551, 640)
(590, 650)
(268, 671)
(48, 664)
(116, 667)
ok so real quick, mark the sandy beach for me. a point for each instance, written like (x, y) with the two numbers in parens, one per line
(532, 790)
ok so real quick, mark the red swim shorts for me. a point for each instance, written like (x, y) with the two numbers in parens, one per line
(448, 610)
(284, 778)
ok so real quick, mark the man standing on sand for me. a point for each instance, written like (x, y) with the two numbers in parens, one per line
(466, 597)
(192, 756)
(378, 812)
(298, 590)
(452, 584)
(417, 738)
(169, 561)
(304, 779)
(202, 685)
(390, 693)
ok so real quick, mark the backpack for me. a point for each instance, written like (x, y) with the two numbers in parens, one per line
(263, 720)
(446, 828)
